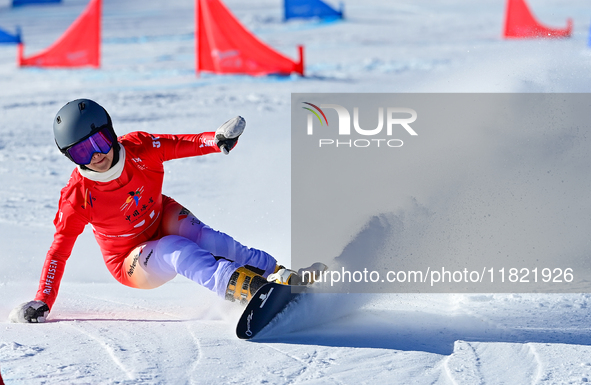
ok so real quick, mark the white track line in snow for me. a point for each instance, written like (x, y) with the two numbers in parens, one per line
(539, 367)
(462, 366)
(447, 371)
(110, 351)
(193, 369)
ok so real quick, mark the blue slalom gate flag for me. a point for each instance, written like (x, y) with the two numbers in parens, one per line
(310, 9)
(7, 38)
(18, 3)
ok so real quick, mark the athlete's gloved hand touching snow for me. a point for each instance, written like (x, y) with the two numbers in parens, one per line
(226, 136)
(32, 312)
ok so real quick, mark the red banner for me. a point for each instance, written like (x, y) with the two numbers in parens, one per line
(79, 46)
(521, 23)
(225, 46)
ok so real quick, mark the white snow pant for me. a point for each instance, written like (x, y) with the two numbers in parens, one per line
(194, 250)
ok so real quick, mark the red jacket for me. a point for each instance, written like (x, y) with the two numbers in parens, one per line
(123, 212)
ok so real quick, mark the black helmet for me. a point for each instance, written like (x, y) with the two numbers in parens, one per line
(78, 120)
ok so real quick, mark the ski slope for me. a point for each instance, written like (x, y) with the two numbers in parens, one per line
(101, 332)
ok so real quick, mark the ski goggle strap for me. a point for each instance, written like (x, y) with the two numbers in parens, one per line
(81, 153)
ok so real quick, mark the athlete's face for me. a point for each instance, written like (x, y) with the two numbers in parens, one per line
(101, 162)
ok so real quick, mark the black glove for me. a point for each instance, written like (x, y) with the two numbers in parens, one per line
(33, 312)
(226, 136)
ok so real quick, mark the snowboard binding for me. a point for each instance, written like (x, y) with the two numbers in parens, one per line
(246, 281)
(304, 276)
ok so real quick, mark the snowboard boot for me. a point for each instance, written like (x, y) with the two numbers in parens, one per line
(243, 284)
(304, 276)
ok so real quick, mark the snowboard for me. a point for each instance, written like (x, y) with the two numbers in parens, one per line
(265, 305)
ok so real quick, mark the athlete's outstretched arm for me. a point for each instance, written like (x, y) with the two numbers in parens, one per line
(69, 224)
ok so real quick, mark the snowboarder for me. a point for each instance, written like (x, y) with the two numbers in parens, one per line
(146, 238)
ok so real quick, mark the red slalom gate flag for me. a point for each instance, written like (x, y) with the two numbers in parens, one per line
(1, 381)
(521, 23)
(225, 46)
(79, 46)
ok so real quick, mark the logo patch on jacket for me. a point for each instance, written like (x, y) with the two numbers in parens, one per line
(133, 199)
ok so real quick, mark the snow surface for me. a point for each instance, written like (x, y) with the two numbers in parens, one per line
(101, 332)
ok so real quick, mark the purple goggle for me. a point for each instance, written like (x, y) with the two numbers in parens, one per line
(81, 153)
